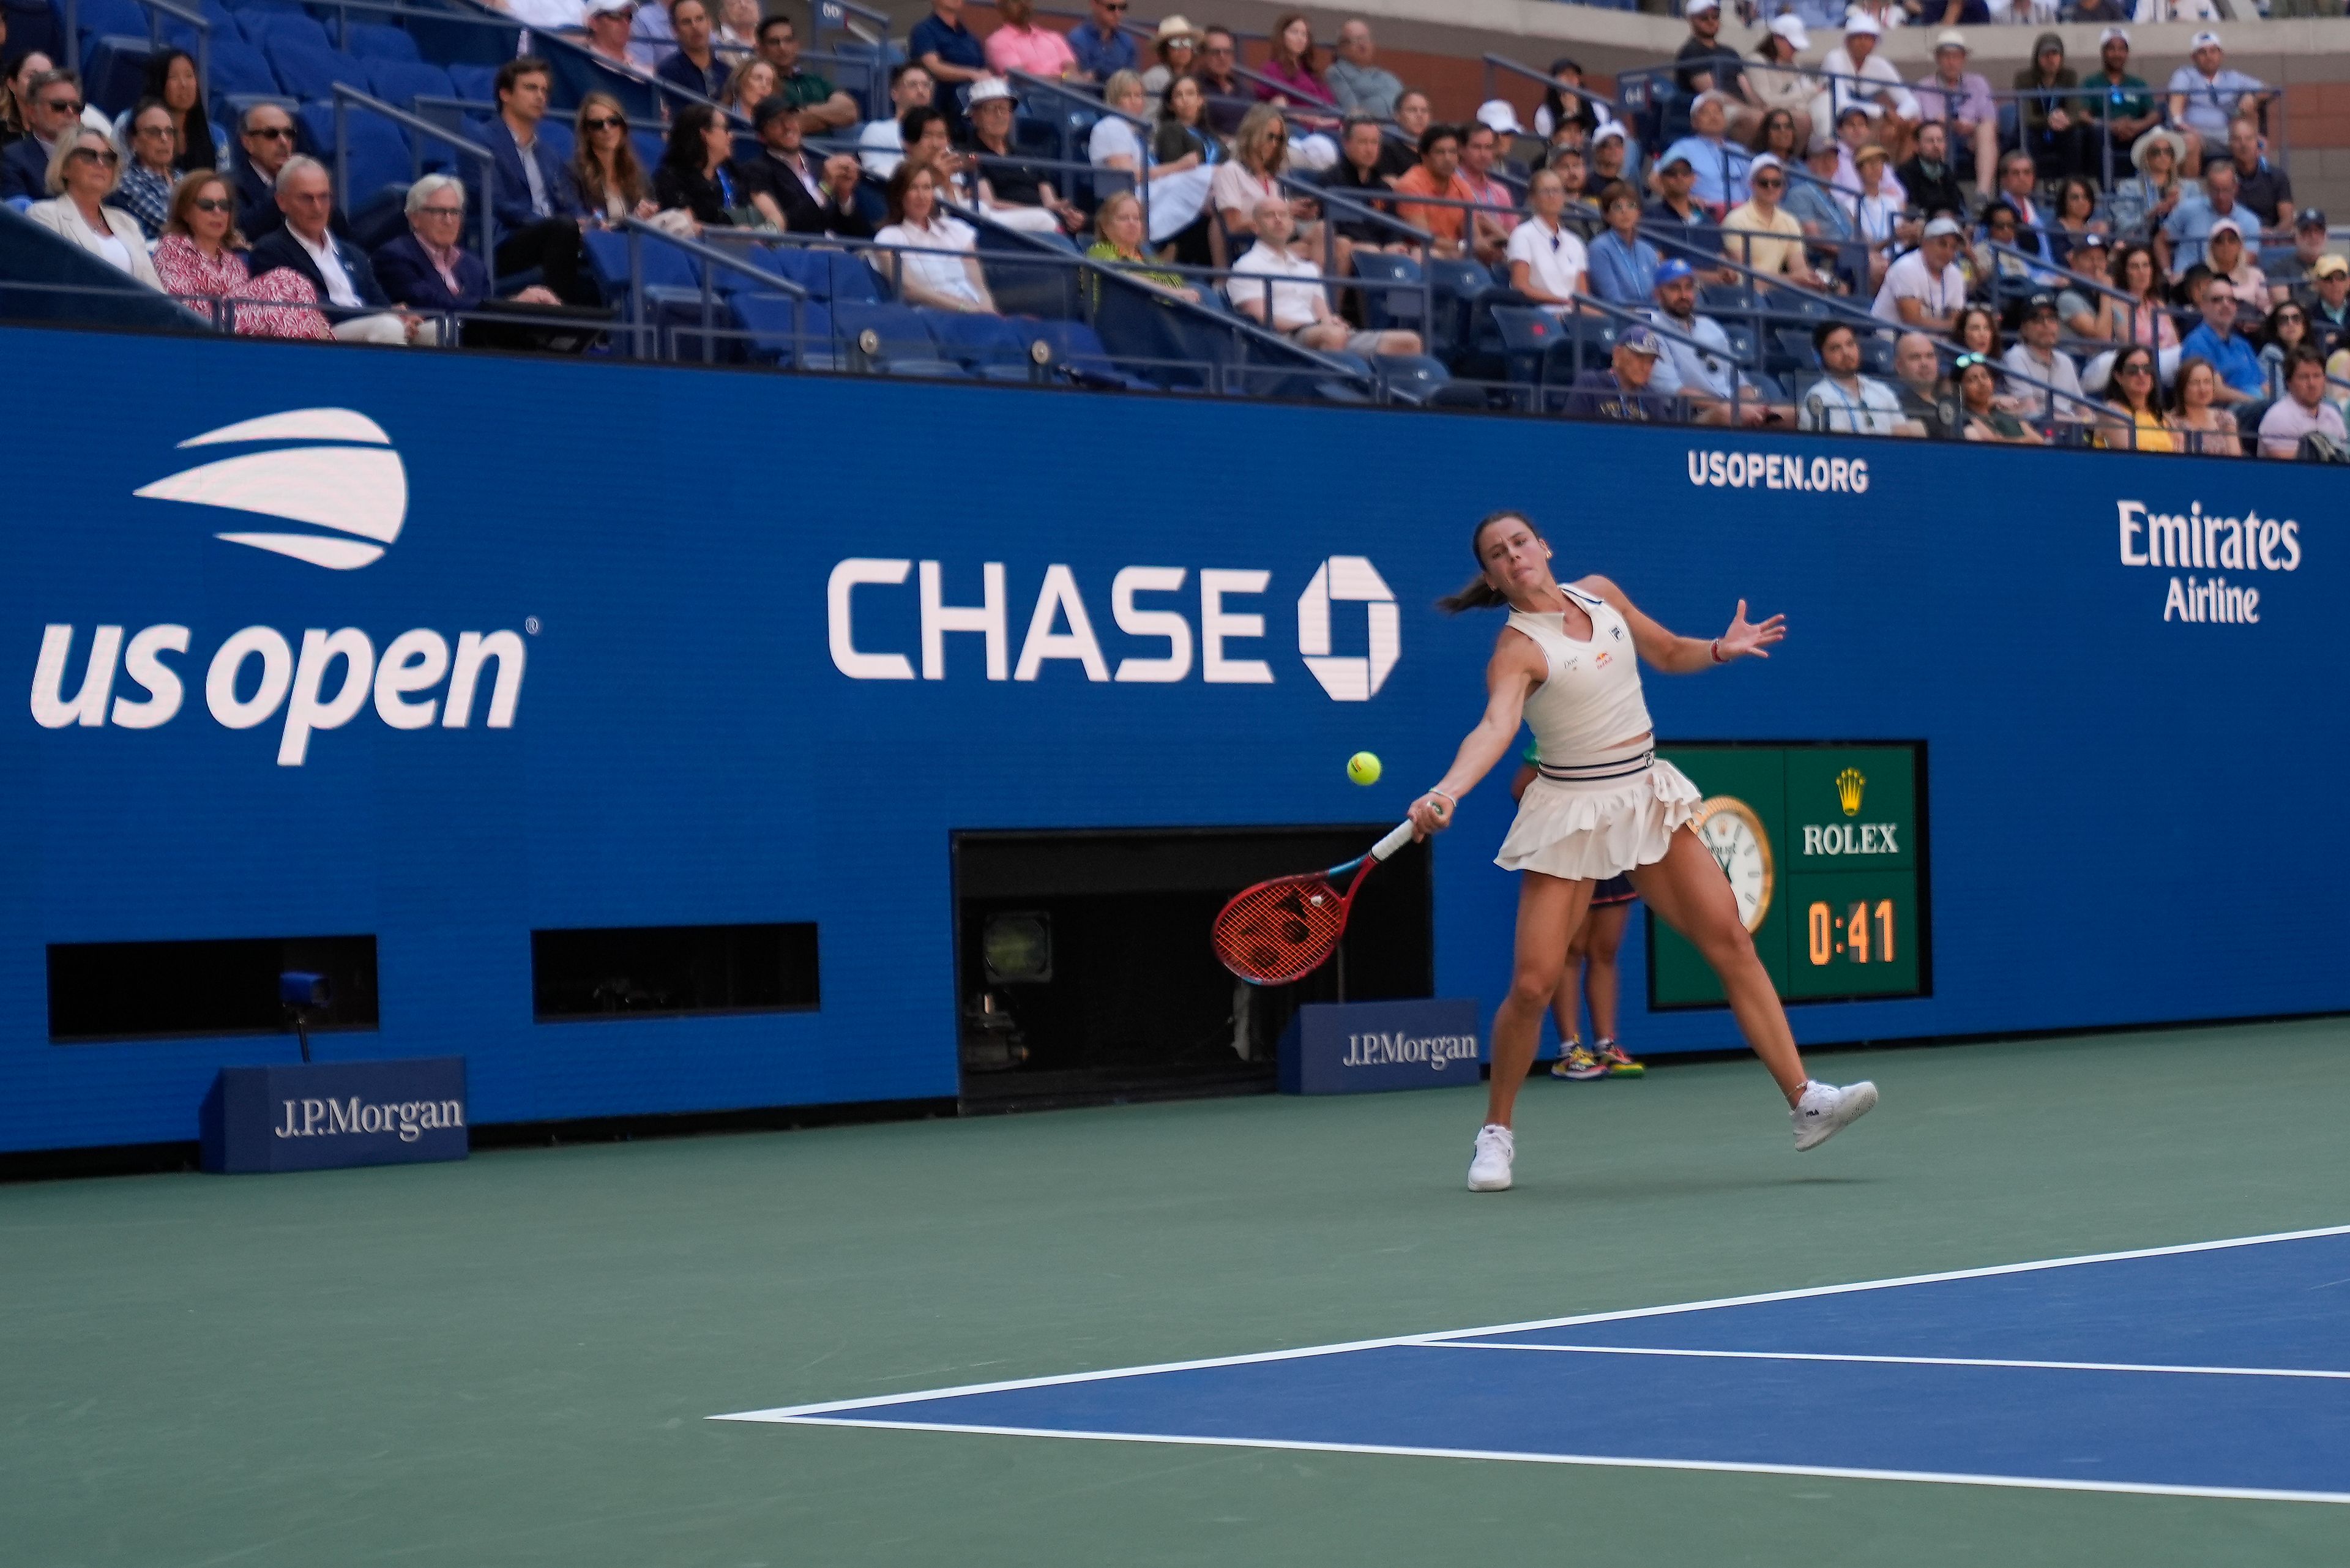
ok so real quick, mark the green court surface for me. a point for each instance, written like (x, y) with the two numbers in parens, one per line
(510, 1361)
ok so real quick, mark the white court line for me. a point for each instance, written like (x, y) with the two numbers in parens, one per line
(1611, 1462)
(797, 1413)
(1887, 1360)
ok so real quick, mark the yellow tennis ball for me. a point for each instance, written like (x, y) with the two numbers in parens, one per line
(1362, 768)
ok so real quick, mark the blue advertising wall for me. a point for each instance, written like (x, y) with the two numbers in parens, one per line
(2126, 806)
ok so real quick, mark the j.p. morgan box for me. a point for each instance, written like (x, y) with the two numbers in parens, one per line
(317, 1116)
(1362, 1047)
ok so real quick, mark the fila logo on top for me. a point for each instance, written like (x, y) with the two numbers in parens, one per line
(1161, 635)
(355, 486)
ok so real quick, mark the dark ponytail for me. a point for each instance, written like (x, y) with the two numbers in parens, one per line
(1478, 593)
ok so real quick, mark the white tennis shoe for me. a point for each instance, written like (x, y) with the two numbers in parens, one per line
(1489, 1169)
(1825, 1110)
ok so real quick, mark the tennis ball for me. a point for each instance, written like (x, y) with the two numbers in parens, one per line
(1362, 767)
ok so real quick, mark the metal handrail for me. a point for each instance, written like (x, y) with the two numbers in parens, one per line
(347, 94)
(1492, 63)
(637, 229)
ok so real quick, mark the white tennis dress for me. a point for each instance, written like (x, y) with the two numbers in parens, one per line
(1599, 806)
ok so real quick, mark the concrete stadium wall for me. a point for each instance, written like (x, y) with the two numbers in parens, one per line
(713, 723)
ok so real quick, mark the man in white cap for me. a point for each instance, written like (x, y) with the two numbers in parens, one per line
(2125, 105)
(1961, 100)
(1924, 290)
(1859, 74)
(1777, 81)
(1719, 166)
(1359, 86)
(1764, 235)
(1705, 64)
(2206, 93)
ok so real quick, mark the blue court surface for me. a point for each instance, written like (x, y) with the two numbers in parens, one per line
(2220, 1369)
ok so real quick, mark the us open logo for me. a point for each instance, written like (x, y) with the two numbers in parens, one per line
(356, 485)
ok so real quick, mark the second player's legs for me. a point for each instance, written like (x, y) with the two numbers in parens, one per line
(1549, 909)
(1602, 934)
(1689, 894)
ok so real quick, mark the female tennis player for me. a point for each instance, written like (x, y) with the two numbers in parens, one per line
(1604, 807)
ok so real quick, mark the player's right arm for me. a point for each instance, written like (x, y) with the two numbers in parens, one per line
(1515, 670)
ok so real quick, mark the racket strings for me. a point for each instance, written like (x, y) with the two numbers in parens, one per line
(1282, 930)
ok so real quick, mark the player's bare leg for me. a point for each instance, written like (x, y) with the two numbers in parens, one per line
(1549, 911)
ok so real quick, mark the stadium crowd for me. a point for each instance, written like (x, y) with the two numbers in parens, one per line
(1819, 247)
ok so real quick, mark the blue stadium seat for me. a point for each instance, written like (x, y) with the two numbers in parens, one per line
(266, 24)
(1390, 307)
(648, 145)
(239, 70)
(380, 41)
(1413, 378)
(994, 347)
(1079, 355)
(1876, 355)
(312, 73)
(114, 70)
(398, 82)
(1718, 298)
(768, 259)
(1530, 337)
(474, 82)
(891, 338)
(1791, 350)
(123, 16)
(852, 280)
(378, 152)
(770, 320)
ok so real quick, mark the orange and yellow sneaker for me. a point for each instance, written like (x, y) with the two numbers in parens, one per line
(1615, 1061)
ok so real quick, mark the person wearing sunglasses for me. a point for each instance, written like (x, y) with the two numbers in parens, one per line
(1763, 235)
(428, 268)
(1984, 419)
(1101, 44)
(2137, 421)
(82, 174)
(148, 178)
(612, 184)
(267, 136)
(202, 264)
(53, 105)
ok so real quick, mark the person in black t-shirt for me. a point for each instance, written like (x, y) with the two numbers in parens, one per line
(1012, 190)
(1622, 392)
(1706, 64)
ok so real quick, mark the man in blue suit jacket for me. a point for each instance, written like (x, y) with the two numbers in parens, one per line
(533, 197)
(348, 290)
(428, 268)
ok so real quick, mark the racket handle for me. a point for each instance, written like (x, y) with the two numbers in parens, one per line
(1392, 842)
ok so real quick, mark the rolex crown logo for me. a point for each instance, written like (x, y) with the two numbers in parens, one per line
(1848, 785)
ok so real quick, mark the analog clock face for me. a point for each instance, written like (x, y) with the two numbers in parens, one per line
(1729, 827)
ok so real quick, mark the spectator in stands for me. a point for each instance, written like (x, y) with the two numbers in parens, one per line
(1179, 186)
(1575, 178)
(147, 177)
(1994, 271)
(2145, 320)
(1817, 203)
(198, 261)
(172, 80)
(1438, 174)
(611, 26)
(652, 37)
(794, 192)
(2135, 405)
(2267, 190)
(882, 143)
(1704, 373)
(695, 64)
(2035, 355)
(267, 136)
(1855, 127)
(1859, 74)
(693, 176)
(1229, 98)
(1291, 78)
(1880, 212)
(604, 167)
(1961, 101)
(2075, 220)
(1176, 45)
(1357, 179)
(339, 271)
(2092, 259)
(1843, 401)
(1413, 119)
(738, 27)
(1613, 157)
(2205, 95)
(1547, 262)
(1707, 64)
(1625, 389)
(1563, 106)
(1359, 85)
(16, 86)
(1929, 179)
(2190, 227)
(951, 175)
(822, 106)
(1976, 331)
(2329, 313)
(429, 268)
(2018, 180)
(2293, 276)
(2201, 425)
(1926, 401)
(1777, 87)
(1623, 263)
(52, 109)
(2056, 133)
(2125, 106)
(1100, 44)
(1763, 234)
(1299, 308)
(2228, 258)
(1182, 128)
(1493, 221)
(534, 203)
(1779, 138)
(1013, 191)
(1676, 211)
(952, 55)
(1718, 169)
(938, 265)
(1981, 416)
(2303, 412)
(1925, 290)
(1019, 45)
(1118, 223)
(81, 175)
(2230, 353)
(2144, 202)
(752, 82)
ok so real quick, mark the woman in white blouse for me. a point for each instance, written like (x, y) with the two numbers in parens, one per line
(83, 172)
(937, 266)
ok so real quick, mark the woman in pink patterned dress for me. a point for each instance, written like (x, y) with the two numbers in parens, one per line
(199, 260)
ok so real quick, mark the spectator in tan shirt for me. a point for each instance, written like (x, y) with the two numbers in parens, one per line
(1762, 233)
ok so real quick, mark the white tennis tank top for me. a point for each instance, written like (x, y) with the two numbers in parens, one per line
(1591, 699)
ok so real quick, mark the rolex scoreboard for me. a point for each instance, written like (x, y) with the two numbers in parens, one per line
(1824, 845)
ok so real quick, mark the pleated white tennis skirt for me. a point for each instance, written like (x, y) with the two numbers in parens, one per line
(1588, 829)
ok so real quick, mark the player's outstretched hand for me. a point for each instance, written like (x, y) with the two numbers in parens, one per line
(1744, 640)
(1430, 814)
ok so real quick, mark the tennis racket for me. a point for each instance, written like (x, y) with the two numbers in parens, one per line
(1285, 929)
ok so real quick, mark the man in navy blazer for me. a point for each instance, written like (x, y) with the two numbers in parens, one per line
(429, 268)
(348, 290)
(532, 198)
